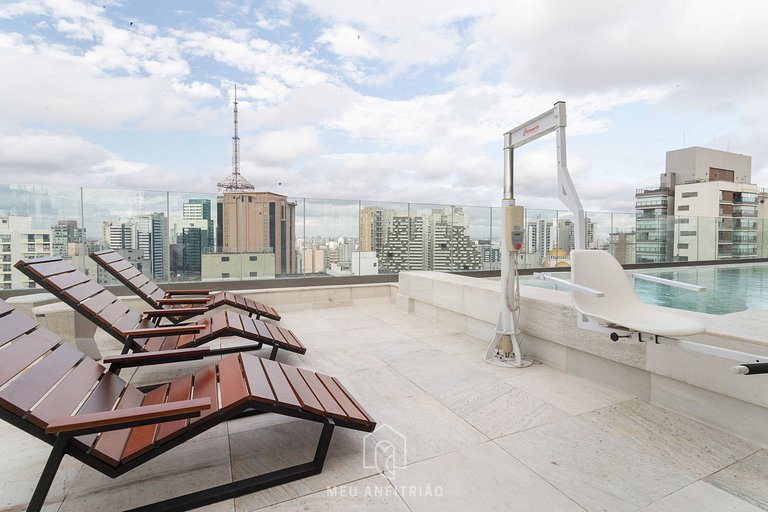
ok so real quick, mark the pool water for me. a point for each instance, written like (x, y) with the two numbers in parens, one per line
(730, 288)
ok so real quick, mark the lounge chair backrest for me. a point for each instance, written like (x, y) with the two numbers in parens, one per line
(600, 271)
(130, 276)
(44, 378)
(82, 293)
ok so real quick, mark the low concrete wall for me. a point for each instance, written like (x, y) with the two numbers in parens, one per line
(61, 319)
(697, 385)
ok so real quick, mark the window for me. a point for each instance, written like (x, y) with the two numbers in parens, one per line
(683, 208)
(31, 284)
(684, 220)
(225, 258)
(224, 275)
(682, 246)
(254, 274)
(690, 194)
(687, 233)
(253, 258)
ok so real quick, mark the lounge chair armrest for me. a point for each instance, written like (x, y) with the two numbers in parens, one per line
(184, 300)
(153, 332)
(161, 356)
(130, 417)
(175, 312)
(171, 293)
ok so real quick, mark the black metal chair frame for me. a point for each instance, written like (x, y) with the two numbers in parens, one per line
(62, 445)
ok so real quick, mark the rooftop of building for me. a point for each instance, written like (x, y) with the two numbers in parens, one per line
(476, 436)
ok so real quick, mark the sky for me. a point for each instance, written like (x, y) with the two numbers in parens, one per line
(372, 100)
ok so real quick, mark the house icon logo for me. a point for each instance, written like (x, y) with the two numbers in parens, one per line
(384, 449)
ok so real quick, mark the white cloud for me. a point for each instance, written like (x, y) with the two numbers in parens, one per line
(282, 147)
(443, 80)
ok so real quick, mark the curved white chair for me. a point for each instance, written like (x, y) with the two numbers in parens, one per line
(620, 307)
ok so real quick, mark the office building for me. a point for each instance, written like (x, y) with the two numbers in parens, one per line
(260, 222)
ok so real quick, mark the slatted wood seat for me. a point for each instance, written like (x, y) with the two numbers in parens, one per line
(114, 263)
(61, 396)
(141, 333)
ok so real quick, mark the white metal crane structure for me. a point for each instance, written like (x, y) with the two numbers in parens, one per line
(504, 349)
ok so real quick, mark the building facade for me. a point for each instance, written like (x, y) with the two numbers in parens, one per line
(260, 222)
(705, 207)
(17, 241)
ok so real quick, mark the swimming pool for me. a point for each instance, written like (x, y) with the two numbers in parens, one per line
(730, 288)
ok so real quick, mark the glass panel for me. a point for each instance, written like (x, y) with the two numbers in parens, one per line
(430, 237)
(332, 235)
(599, 229)
(38, 222)
(541, 228)
(495, 242)
(133, 222)
(655, 236)
(472, 242)
(193, 236)
(623, 238)
(299, 232)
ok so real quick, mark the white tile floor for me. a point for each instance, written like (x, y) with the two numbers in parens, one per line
(475, 438)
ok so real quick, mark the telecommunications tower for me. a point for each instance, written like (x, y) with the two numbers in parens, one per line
(235, 182)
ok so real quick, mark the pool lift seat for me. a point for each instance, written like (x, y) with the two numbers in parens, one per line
(606, 302)
(617, 307)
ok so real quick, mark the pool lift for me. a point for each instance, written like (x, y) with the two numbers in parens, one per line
(504, 348)
(606, 302)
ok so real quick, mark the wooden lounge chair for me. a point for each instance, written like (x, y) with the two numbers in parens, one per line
(141, 333)
(51, 390)
(114, 263)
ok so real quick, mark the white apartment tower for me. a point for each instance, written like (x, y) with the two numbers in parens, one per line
(17, 241)
(705, 208)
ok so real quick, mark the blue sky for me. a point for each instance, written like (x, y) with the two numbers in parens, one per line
(386, 101)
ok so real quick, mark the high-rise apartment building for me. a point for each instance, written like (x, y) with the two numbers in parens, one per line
(260, 222)
(18, 240)
(704, 208)
(374, 221)
(448, 245)
(435, 241)
(404, 249)
(64, 233)
(149, 233)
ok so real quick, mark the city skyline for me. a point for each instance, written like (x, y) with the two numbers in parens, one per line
(375, 101)
(705, 207)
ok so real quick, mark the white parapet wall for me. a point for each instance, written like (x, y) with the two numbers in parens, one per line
(61, 319)
(697, 385)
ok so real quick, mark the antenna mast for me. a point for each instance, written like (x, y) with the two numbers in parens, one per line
(235, 182)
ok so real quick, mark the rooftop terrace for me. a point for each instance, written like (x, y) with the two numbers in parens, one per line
(476, 437)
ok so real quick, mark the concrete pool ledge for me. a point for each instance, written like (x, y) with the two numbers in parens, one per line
(697, 385)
